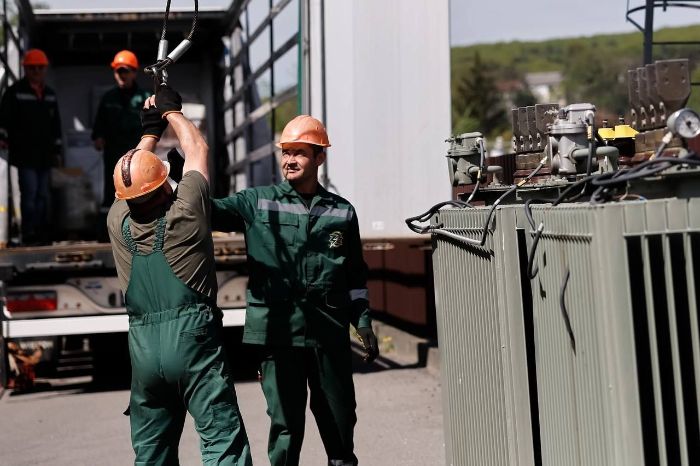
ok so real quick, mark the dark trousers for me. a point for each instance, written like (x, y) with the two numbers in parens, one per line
(286, 373)
(34, 200)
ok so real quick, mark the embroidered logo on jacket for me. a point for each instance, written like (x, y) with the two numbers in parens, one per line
(335, 239)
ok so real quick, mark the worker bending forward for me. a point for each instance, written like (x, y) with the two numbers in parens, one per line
(164, 254)
(307, 283)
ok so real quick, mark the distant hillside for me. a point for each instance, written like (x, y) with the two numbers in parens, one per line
(594, 68)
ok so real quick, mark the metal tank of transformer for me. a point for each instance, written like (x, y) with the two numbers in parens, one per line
(593, 362)
(594, 359)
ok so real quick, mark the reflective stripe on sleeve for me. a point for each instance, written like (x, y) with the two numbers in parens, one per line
(359, 293)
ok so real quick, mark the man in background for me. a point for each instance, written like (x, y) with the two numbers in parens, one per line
(117, 126)
(30, 128)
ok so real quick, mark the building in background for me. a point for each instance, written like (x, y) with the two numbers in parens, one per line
(546, 86)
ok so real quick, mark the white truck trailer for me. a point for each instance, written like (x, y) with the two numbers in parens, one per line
(376, 72)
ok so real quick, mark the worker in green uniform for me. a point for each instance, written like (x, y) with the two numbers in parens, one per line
(307, 284)
(164, 255)
(117, 127)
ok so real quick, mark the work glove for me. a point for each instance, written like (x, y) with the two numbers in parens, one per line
(369, 341)
(168, 100)
(176, 164)
(152, 123)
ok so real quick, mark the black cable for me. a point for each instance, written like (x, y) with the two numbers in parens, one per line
(438, 228)
(532, 269)
(424, 217)
(503, 196)
(528, 209)
(165, 20)
(645, 169)
(565, 312)
(562, 197)
(161, 64)
(482, 151)
(194, 20)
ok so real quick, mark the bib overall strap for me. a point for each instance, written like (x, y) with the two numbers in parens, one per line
(126, 234)
(160, 234)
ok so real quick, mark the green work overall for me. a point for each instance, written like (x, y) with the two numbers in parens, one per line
(178, 364)
(307, 285)
(286, 373)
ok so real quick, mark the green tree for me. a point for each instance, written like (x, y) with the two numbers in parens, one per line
(592, 75)
(478, 106)
(524, 98)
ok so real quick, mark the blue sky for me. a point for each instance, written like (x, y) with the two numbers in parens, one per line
(484, 21)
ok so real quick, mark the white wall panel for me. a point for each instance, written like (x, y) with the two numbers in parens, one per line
(388, 104)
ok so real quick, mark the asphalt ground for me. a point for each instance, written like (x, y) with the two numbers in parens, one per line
(399, 422)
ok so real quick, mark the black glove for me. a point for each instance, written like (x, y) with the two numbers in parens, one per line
(369, 341)
(176, 163)
(152, 123)
(168, 100)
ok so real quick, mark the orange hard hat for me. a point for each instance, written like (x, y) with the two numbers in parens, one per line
(138, 172)
(306, 129)
(35, 57)
(125, 58)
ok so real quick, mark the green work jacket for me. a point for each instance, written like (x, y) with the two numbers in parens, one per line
(307, 277)
(118, 121)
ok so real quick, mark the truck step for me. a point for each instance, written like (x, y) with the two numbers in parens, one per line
(75, 371)
(74, 352)
(63, 361)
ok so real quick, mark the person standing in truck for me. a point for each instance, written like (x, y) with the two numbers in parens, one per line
(30, 128)
(307, 284)
(164, 255)
(117, 127)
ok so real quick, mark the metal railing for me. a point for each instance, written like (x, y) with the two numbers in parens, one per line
(17, 20)
(647, 29)
(250, 111)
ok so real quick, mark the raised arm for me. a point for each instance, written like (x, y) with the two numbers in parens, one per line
(193, 145)
(169, 103)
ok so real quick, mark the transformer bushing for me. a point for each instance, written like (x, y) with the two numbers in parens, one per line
(467, 162)
(570, 134)
(464, 158)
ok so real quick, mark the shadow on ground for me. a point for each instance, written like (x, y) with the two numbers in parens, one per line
(113, 372)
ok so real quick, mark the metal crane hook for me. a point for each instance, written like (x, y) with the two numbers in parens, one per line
(164, 59)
